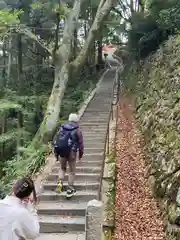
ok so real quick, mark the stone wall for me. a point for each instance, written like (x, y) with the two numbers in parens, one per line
(158, 114)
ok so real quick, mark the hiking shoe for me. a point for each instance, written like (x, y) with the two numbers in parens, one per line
(70, 192)
(60, 187)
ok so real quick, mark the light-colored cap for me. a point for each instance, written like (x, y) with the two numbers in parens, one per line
(73, 117)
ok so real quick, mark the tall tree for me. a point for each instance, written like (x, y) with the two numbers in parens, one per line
(64, 69)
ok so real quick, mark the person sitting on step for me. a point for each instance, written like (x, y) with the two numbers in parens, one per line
(68, 142)
(19, 219)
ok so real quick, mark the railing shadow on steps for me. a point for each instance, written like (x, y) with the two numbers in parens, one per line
(115, 89)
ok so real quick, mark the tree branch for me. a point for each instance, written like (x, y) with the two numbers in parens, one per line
(70, 26)
(124, 8)
(120, 14)
(33, 37)
(101, 14)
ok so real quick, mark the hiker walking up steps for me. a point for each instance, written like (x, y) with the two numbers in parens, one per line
(18, 216)
(68, 142)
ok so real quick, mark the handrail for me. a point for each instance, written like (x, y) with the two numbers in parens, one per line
(106, 145)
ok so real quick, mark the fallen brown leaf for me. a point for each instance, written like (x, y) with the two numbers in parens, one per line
(137, 214)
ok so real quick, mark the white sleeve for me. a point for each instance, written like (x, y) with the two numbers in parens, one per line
(28, 223)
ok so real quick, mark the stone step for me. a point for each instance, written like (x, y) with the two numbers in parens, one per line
(67, 208)
(92, 136)
(95, 118)
(62, 236)
(97, 156)
(80, 169)
(80, 186)
(96, 114)
(101, 102)
(61, 224)
(93, 139)
(93, 150)
(65, 219)
(79, 196)
(93, 121)
(95, 108)
(91, 144)
(88, 128)
(95, 135)
(92, 129)
(86, 163)
(86, 177)
(99, 108)
(92, 157)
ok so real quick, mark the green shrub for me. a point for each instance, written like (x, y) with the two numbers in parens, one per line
(150, 28)
(23, 166)
(144, 36)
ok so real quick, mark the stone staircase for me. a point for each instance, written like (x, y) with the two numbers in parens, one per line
(65, 219)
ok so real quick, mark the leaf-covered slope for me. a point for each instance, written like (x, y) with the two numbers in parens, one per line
(158, 114)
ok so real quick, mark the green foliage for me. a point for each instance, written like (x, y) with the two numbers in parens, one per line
(156, 6)
(170, 18)
(149, 30)
(9, 136)
(61, 8)
(37, 5)
(26, 165)
(111, 157)
(6, 105)
(144, 36)
(9, 18)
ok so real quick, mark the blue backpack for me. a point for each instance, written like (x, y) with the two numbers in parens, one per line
(64, 142)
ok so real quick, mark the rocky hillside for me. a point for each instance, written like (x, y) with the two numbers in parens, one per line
(157, 83)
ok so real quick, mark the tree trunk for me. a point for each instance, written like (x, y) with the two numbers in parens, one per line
(63, 67)
(9, 64)
(20, 124)
(4, 64)
(75, 44)
(85, 29)
(4, 130)
(62, 71)
(102, 12)
(20, 64)
(99, 48)
(49, 124)
(56, 35)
